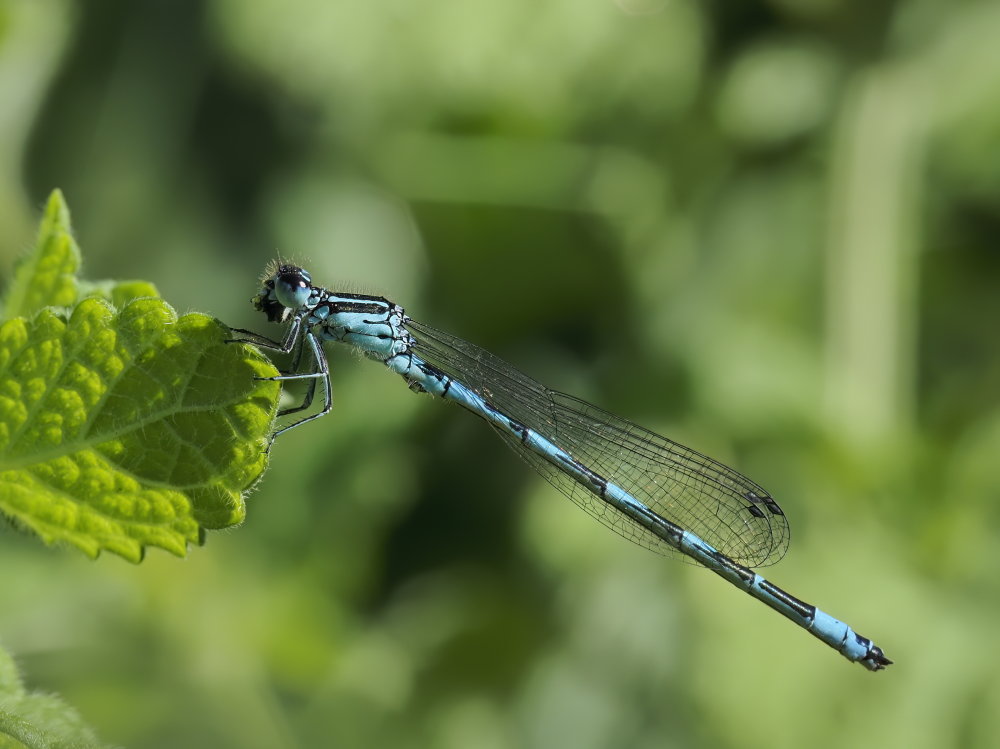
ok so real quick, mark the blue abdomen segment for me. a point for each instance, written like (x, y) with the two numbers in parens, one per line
(830, 630)
(424, 377)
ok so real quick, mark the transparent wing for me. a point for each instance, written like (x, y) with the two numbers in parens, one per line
(725, 508)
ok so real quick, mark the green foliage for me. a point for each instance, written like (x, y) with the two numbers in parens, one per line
(47, 276)
(121, 425)
(767, 230)
(37, 721)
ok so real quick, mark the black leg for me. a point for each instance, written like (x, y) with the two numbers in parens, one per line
(310, 390)
(297, 356)
(255, 338)
(285, 347)
(322, 372)
(293, 341)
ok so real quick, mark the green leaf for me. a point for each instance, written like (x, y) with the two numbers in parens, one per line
(119, 293)
(122, 426)
(124, 429)
(38, 721)
(47, 277)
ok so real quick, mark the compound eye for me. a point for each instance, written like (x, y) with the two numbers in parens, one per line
(291, 287)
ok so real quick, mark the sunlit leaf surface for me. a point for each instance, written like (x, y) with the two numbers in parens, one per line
(122, 426)
(121, 430)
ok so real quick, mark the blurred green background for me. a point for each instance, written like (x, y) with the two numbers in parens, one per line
(767, 230)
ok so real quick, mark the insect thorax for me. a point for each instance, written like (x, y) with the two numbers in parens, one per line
(370, 323)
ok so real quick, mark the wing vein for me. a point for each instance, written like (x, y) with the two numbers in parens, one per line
(725, 508)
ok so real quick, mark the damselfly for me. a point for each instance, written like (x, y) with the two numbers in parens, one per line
(652, 491)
